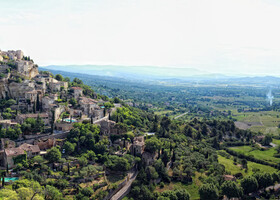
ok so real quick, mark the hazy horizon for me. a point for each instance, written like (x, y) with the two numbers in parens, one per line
(228, 37)
(147, 71)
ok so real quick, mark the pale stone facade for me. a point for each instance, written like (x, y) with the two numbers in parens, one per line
(77, 92)
(88, 105)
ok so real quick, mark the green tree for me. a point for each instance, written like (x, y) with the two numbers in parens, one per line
(264, 179)
(87, 191)
(204, 130)
(188, 131)
(59, 77)
(267, 140)
(83, 161)
(249, 184)
(53, 193)
(182, 194)
(208, 192)
(231, 189)
(73, 101)
(69, 147)
(53, 155)
(153, 144)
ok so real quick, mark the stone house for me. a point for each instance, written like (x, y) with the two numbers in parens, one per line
(98, 114)
(18, 90)
(63, 126)
(7, 144)
(22, 117)
(7, 123)
(56, 86)
(40, 83)
(122, 143)
(31, 150)
(15, 55)
(149, 158)
(46, 103)
(88, 105)
(138, 145)
(77, 92)
(45, 144)
(31, 95)
(75, 112)
(8, 156)
(107, 127)
(229, 178)
(11, 153)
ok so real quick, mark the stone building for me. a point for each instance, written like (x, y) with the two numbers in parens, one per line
(10, 153)
(138, 145)
(149, 158)
(56, 86)
(31, 150)
(7, 144)
(88, 105)
(77, 92)
(22, 117)
(7, 123)
(45, 144)
(63, 126)
(107, 127)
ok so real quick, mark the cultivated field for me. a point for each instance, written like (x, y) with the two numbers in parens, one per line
(233, 168)
(266, 122)
(262, 154)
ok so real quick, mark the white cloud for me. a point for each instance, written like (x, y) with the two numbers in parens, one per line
(218, 35)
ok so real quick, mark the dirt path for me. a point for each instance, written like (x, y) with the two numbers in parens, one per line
(181, 115)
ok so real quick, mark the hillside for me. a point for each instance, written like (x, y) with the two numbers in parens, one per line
(60, 139)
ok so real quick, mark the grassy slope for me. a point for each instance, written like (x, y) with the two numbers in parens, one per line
(191, 188)
(231, 167)
(266, 155)
(269, 119)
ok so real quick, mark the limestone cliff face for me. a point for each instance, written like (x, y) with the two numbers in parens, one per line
(4, 91)
(27, 68)
(34, 71)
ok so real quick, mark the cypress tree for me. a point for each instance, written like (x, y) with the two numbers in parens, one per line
(34, 107)
(38, 103)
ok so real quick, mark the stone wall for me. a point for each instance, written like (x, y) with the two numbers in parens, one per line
(44, 137)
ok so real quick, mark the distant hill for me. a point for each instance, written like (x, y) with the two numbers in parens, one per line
(164, 75)
(129, 72)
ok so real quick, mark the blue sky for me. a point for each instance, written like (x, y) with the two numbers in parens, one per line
(221, 36)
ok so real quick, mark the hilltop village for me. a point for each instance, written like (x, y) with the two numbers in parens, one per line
(61, 140)
(50, 103)
(40, 116)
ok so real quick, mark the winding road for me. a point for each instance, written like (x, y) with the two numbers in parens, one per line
(126, 189)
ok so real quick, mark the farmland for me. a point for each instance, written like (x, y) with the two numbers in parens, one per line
(233, 168)
(258, 153)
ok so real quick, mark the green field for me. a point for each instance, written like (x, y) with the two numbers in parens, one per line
(233, 169)
(266, 155)
(191, 188)
(266, 122)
